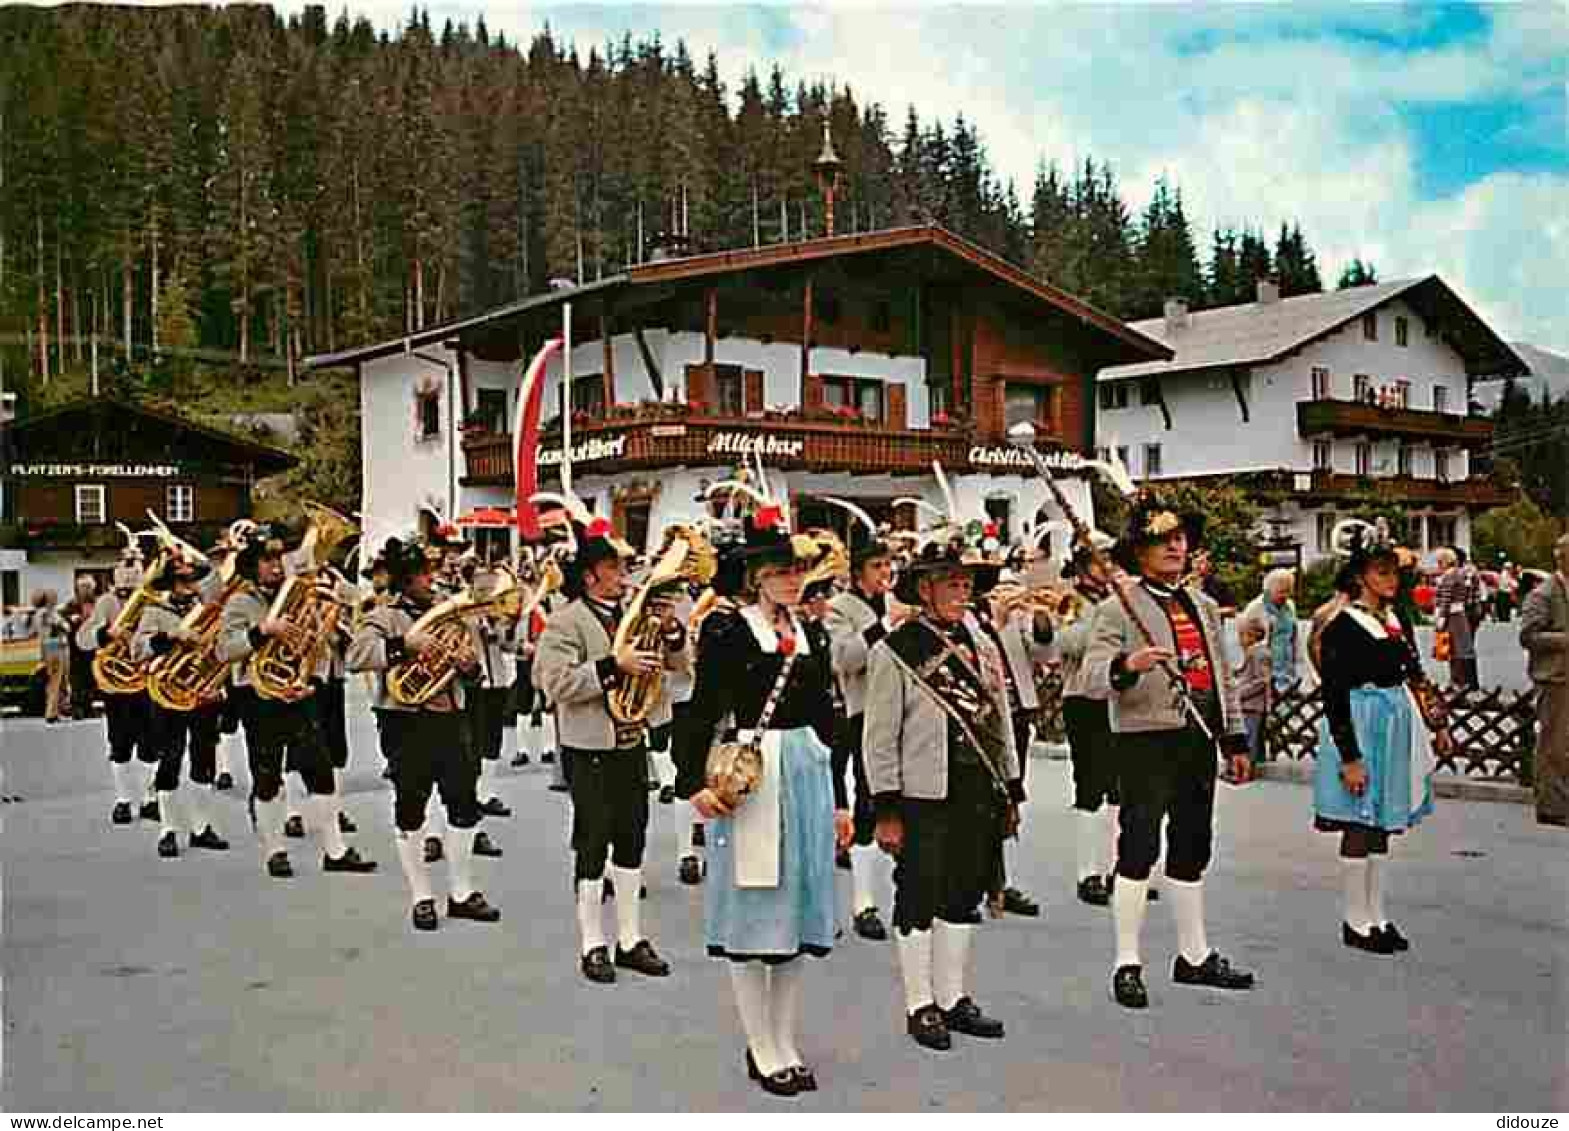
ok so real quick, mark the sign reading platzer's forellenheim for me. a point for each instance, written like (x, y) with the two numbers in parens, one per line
(97, 470)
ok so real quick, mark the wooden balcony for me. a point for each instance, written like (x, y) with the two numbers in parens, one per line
(785, 441)
(54, 534)
(1317, 487)
(1355, 418)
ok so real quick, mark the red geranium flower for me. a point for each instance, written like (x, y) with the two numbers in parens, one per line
(599, 528)
(767, 518)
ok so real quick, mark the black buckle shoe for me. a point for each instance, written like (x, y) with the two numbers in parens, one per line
(805, 1079)
(483, 845)
(1015, 902)
(1215, 972)
(667, 795)
(294, 827)
(929, 1028)
(519, 761)
(1391, 933)
(548, 757)
(966, 1017)
(209, 838)
(691, 871)
(345, 825)
(350, 861)
(425, 915)
(168, 845)
(842, 859)
(474, 907)
(781, 1083)
(121, 814)
(278, 866)
(559, 787)
(1093, 890)
(225, 782)
(495, 807)
(1127, 988)
(433, 851)
(1373, 942)
(642, 960)
(597, 967)
(149, 811)
(869, 925)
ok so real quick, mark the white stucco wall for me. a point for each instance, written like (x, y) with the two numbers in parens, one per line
(402, 474)
(1208, 436)
(51, 569)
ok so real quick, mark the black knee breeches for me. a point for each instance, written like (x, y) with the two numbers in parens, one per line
(609, 807)
(430, 751)
(174, 733)
(1088, 724)
(125, 724)
(488, 709)
(1166, 775)
(330, 709)
(284, 737)
(952, 852)
(848, 738)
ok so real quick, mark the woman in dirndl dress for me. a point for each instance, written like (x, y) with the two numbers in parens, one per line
(769, 895)
(1374, 770)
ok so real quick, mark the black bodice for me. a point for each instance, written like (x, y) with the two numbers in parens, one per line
(1353, 657)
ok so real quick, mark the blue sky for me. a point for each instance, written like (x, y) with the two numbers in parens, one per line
(1428, 137)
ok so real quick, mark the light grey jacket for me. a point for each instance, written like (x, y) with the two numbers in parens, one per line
(1023, 651)
(906, 736)
(1149, 705)
(244, 611)
(1072, 643)
(105, 609)
(155, 619)
(567, 669)
(850, 620)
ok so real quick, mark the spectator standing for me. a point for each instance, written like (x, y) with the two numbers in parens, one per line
(1544, 634)
(77, 613)
(1276, 613)
(1451, 614)
(1253, 684)
(53, 631)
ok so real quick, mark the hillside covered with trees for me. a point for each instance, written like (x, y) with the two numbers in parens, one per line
(226, 186)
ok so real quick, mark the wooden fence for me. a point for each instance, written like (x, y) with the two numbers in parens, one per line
(1494, 731)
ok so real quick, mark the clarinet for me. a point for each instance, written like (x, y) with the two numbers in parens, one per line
(1081, 533)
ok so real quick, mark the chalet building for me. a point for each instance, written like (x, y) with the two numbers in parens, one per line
(850, 363)
(71, 473)
(1315, 402)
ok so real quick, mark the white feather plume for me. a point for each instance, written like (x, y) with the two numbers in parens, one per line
(947, 493)
(921, 504)
(569, 503)
(845, 504)
(736, 487)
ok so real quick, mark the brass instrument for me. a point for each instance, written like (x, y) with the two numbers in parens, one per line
(687, 558)
(419, 678)
(191, 673)
(833, 559)
(1064, 604)
(282, 667)
(114, 669)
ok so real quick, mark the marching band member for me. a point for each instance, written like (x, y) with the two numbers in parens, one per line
(1168, 720)
(1087, 720)
(1374, 768)
(489, 698)
(426, 742)
(946, 783)
(171, 733)
(769, 895)
(229, 741)
(605, 762)
(125, 715)
(280, 735)
(856, 620)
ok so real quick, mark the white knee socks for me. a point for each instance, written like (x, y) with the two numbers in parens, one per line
(509, 742)
(629, 912)
(749, 982)
(436, 817)
(168, 800)
(547, 726)
(863, 867)
(1129, 900)
(590, 913)
(1112, 834)
(1187, 904)
(950, 961)
(123, 789)
(224, 758)
(269, 825)
(784, 994)
(1375, 891)
(531, 740)
(1092, 843)
(321, 811)
(664, 767)
(1353, 877)
(411, 854)
(915, 967)
(195, 809)
(460, 863)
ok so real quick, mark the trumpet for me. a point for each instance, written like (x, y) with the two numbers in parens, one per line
(1062, 603)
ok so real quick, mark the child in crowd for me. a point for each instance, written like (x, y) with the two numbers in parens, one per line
(1253, 684)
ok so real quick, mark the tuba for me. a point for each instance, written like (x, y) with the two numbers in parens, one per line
(418, 679)
(282, 667)
(687, 558)
(113, 668)
(191, 674)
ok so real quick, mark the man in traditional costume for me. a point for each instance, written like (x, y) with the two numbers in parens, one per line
(1544, 634)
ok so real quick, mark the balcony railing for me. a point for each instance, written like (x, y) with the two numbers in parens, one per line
(1474, 492)
(670, 437)
(1357, 418)
(53, 534)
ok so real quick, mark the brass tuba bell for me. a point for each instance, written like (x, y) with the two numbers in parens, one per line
(687, 558)
(282, 667)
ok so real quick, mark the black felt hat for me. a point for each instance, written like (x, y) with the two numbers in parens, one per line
(266, 541)
(1359, 544)
(403, 559)
(1152, 520)
(937, 556)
